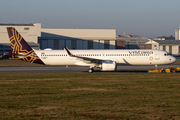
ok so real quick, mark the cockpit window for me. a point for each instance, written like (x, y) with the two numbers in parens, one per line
(166, 54)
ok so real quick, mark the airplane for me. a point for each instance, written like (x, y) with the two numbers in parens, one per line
(106, 60)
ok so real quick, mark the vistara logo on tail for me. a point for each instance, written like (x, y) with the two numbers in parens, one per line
(20, 48)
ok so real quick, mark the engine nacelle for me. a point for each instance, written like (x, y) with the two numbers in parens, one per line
(109, 66)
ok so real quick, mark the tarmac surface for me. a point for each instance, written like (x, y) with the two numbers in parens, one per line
(70, 69)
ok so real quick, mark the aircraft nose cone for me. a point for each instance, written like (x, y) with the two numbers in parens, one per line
(172, 59)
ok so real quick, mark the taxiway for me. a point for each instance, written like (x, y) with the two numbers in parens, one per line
(64, 69)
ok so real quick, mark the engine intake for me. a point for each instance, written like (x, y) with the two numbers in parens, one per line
(109, 66)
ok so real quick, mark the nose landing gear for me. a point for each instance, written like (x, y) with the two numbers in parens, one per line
(90, 70)
(155, 67)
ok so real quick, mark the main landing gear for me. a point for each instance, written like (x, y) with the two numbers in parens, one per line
(155, 67)
(90, 70)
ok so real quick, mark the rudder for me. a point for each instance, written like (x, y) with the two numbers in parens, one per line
(20, 48)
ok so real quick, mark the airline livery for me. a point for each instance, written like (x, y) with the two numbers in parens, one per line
(107, 60)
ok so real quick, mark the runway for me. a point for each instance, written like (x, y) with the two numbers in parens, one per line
(63, 69)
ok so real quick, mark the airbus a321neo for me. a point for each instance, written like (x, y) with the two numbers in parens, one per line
(106, 60)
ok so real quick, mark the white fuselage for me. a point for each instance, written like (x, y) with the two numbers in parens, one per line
(121, 57)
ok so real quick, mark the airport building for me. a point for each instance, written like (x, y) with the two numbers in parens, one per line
(42, 38)
(131, 41)
(171, 46)
(30, 32)
(177, 34)
(56, 39)
(77, 38)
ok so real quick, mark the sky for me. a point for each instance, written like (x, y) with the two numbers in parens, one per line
(149, 18)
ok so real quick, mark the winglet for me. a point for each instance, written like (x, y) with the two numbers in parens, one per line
(68, 51)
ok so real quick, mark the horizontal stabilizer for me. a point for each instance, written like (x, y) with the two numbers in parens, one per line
(14, 55)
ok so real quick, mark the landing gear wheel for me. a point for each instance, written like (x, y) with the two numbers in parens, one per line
(163, 71)
(91, 70)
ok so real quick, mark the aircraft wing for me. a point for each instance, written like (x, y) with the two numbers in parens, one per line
(86, 59)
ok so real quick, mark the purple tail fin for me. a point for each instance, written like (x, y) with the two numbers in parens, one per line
(20, 48)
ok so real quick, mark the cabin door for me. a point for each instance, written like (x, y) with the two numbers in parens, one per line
(157, 55)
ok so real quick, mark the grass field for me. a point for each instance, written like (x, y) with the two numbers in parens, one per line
(89, 96)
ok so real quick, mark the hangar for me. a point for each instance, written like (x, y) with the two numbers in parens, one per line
(30, 32)
(42, 38)
(77, 38)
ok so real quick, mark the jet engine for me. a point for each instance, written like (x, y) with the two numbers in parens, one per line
(109, 66)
